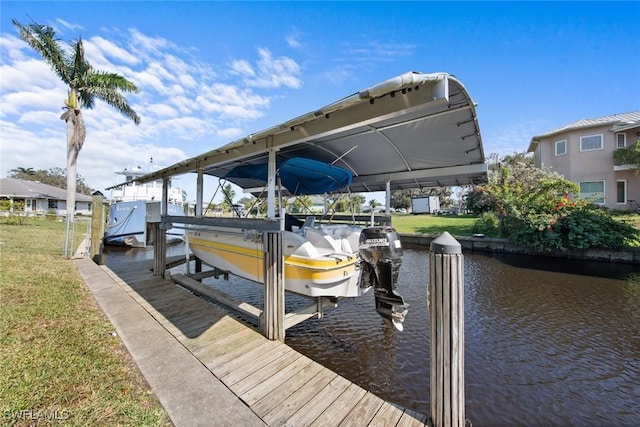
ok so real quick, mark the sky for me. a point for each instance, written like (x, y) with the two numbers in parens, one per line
(210, 72)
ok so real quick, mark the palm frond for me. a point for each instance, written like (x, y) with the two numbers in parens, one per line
(80, 72)
(108, 87)
(42, 39)
(113, 81)
(76, 72)
(116, 100)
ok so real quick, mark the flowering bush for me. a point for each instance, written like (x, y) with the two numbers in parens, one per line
(535, 208)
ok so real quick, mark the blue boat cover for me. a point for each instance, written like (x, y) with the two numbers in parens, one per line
(299, 175)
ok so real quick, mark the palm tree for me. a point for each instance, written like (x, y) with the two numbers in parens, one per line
(85, 85)
(21, 171)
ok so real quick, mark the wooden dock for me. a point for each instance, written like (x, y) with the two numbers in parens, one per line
(282, 386)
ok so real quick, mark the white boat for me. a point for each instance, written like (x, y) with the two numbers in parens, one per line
(133, 206)
(413, 131)
(320, 260)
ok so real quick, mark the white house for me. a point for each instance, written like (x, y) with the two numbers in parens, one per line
(41, 198)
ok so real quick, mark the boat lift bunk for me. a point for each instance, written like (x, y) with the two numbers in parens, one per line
(412, 131)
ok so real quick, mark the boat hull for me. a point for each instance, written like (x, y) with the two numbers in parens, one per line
(309, 269)
(128, 223)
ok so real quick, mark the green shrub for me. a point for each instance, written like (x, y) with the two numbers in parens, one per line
(488, 224)
(13, 212)
(581, 226)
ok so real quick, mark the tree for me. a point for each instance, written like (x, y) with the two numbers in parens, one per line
(229, 194)
(355, 202)
(85, 86)
(302, 204)
(540, 209)
(20, 171)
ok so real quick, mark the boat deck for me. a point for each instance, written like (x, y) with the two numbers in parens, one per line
(279, 384)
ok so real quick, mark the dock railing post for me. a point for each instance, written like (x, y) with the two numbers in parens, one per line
(273, 315)
(97, 227)
(159, 249)
(446, 305)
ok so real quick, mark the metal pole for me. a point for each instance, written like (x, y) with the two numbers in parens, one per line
(65, 251)
(446, 305)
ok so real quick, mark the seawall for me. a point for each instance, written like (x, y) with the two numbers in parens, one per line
(491, 244)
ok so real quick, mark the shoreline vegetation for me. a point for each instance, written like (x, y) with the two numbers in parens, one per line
(61, 361)
(60, 358)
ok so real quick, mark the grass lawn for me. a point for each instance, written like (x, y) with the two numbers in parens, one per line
(456, 225)
(462, 225)
(60, 360)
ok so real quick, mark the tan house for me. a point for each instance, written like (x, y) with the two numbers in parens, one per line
(596, 154)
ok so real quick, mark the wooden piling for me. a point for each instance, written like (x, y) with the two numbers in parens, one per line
(273, 314)
(97, 227)
(159, 249)
(446, 306)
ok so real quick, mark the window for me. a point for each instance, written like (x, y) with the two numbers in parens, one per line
(592, 191)
(621, 192)
(561, 147)
(53, 204)
(621, 140)
(592, 142)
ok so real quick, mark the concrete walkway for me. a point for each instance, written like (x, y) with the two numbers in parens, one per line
(189, 392)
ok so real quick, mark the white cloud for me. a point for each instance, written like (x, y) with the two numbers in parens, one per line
(293, 40)
(147, 43)
(162, 110)
(68, 25)
(112, 50)
(12, 47)
(269, 72)
(276, 72)
(242, 68)
(231, 101)
(186, 106)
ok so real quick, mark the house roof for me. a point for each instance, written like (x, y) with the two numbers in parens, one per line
(18, 188)
(619, 122)
(414, 130)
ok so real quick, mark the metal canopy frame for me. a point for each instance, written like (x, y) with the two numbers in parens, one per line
(413, 131)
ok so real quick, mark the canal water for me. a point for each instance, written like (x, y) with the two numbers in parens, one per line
(548, 342)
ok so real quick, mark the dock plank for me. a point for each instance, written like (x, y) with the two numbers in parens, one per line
(223, 364)
(242, 371)
(363, 412)
(388, 415)
(311, 410)
(340, 408)
(263, 374)
(412, 418)
(274, 381)
(224, 345)
(280, 413)
(279, 395)
(282, 386)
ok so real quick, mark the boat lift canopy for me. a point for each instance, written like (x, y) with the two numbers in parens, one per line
(412, 131)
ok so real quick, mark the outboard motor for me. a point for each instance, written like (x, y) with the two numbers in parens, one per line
(381, 252)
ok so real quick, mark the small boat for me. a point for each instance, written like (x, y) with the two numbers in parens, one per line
(133, 206)
(320, 260)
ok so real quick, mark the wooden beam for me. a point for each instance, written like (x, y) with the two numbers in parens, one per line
(198, 288)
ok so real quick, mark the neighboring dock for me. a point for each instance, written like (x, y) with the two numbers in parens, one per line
(208, 368)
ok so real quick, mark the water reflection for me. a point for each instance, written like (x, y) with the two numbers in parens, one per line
(546, 344)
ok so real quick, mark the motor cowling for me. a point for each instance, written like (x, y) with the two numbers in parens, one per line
(381, 253)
